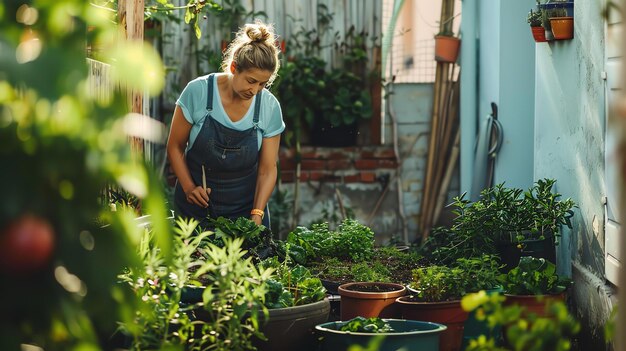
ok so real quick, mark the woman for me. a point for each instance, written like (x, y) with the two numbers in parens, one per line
(225, 133)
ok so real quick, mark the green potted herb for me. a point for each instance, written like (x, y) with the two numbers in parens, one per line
(230, 300)
(385, 334)
(533, 283)
(297, 303)
(436, 297)
(509, 221)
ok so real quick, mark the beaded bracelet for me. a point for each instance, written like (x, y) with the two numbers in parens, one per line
(256, 211)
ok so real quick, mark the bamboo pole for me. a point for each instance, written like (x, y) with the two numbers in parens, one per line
(437, 121)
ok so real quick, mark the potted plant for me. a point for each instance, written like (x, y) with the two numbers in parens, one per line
(230, 300)
(562, 13)
(446, 46)
(524, 331)
(370, 299)
(380, 334)
(437, 298)
(297, 303)
(534, 283)
(509, 221)
(534, 20)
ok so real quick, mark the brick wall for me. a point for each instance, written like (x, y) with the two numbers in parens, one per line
(338, 165)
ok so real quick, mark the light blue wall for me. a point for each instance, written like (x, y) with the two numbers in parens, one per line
(497, 66)
(569, 134)
(569, 147)
(514, 163)
(552, 106)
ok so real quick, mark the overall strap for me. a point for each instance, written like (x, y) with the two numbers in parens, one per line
(209, 94)
(257, 108)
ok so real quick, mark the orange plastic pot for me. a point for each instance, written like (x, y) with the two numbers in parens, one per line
(447, 48)
(539, 34)
(448, 313)
(370, 300)
(562, 27)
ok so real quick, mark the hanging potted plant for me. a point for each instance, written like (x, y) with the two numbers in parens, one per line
(446, 47)
(534, 20)
(558, 20)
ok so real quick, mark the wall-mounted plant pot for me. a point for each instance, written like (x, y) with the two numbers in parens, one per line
(447, 48)
(539, 34)
(367, 299)
(407, 335)
(562, 27)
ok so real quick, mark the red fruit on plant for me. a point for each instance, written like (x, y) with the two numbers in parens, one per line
(26, 245)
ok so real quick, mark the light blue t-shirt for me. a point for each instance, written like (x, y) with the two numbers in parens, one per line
(193, 101)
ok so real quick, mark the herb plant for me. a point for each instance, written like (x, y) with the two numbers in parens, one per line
(291, 285)
(367, 325)
(483, 271)
(439, 283)
(534, 18)
(351, 240)
(232, 298)
(534, 276)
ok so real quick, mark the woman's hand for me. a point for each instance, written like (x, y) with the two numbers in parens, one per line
(256, 219)
(198, 196)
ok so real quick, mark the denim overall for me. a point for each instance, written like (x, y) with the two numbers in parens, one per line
(230, 159)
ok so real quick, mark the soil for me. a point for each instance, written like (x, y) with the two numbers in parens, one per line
(371, 288)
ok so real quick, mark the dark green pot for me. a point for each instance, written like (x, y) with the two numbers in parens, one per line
(408, 336)
(510, 253)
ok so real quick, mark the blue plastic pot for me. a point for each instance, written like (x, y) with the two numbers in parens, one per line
(409, 335)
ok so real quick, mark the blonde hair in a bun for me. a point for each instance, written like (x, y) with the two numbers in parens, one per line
(253, 47)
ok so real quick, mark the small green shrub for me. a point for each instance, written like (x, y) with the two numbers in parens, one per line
(534, 276)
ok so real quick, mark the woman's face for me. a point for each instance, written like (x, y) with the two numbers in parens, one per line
(248, 83)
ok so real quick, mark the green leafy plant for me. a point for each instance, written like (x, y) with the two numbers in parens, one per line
(511, 214)
(484, 272)
(367, 325)
(439, 283)
(351, 240)
(523, 331)
(291, 285)
(233, 293)
(534, 18)
(534, 276)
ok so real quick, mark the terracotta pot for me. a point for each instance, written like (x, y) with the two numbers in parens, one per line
(539, 34)
(447, 48)
(370, 303)
(562, 27)
(448, 313)
(533, 303)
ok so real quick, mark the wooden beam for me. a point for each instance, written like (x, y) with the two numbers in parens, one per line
(130, 18)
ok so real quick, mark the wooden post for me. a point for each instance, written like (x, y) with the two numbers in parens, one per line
(436, 151)
(130, 18)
